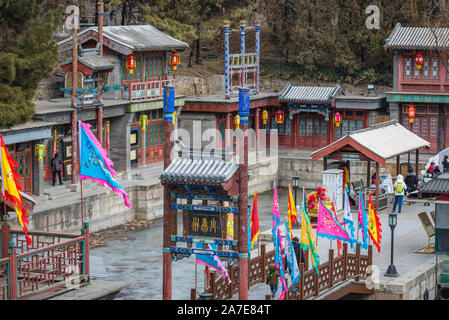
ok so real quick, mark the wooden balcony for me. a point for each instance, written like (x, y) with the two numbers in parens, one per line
(145, 90)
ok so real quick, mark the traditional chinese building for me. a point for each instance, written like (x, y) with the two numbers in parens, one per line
(421, 80)
(318, 116)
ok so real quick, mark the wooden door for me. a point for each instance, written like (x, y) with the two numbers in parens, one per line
(22, 153)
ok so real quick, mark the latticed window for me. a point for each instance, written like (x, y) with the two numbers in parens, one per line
(434, 68)
(408, 68)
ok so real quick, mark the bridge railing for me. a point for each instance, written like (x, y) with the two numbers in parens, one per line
(51, 261)
(335, 270)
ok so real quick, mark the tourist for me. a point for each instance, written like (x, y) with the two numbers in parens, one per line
(272, 279)
(446, 164)
(299, 252)
(56, 167)
(399, 191)
(411, 180)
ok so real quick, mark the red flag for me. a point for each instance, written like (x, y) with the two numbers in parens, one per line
(254, 222)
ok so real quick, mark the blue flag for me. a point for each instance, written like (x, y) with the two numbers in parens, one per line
(94, 163)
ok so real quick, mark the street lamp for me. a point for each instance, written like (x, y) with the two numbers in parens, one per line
(295, 184)
(392, 222)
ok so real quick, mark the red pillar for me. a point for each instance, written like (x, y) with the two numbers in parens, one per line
(243, 196)
(243, 220)
(168, 146)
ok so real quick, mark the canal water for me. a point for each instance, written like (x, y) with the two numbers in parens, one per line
(135, 257)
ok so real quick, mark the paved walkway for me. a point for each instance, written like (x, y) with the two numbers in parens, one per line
(61, 195)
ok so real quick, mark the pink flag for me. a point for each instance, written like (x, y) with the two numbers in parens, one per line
(328, 227)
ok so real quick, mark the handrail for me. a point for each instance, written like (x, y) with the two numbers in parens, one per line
(50, 247)
(215, 286)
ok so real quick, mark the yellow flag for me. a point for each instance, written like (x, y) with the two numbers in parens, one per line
(291, 213)
(307, 238)
(9, 188)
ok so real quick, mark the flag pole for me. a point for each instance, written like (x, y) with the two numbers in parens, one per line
(82, 203)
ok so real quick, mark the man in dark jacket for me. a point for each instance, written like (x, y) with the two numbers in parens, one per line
(56, 168)
(299, 252)
(411, 180)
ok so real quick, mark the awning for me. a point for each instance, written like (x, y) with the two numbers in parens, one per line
(379, 142)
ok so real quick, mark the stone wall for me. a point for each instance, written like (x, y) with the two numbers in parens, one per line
(412, 285)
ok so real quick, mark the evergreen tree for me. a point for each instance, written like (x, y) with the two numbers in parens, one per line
(27, 53)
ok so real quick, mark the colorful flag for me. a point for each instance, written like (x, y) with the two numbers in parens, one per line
(347, 216)
(212, 261)
(277, 242)
(374, 225)
(307, 239)
(254, 223)
(291, 257)
(328, 227)
(11, 188)
(339, 242)
(94, 163)
(291, 211)
(279, 262)
(363, 221)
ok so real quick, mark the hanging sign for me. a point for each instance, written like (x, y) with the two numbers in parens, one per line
(204, 224)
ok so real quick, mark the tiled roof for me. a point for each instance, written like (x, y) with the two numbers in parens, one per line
(199, 171)
(384, 140)
(97, 63)
(417, 38)
(439, 184)
(138, 38)
(309, 95)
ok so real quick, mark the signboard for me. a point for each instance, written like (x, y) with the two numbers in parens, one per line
(204, 224)
(350, 156)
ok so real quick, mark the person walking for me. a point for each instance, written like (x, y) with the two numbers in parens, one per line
(399, 191)
(56, 168)
(272, 278)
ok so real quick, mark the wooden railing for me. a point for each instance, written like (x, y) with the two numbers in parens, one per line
(52, 260)
(335, 270)
(145, 90)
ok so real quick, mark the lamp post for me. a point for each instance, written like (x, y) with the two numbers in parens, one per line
(392, 222)
(295, 184)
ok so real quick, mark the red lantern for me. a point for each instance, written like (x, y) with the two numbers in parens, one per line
(411, 113)
(174, 60)
(419, 60)
(279, 117)
(337, 119)
(131, 63)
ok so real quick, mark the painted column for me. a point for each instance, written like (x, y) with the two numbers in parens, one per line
(257, 24)
(243, 196)
(169, 109)
(242, 52)
(74, 119)
(227, 25)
